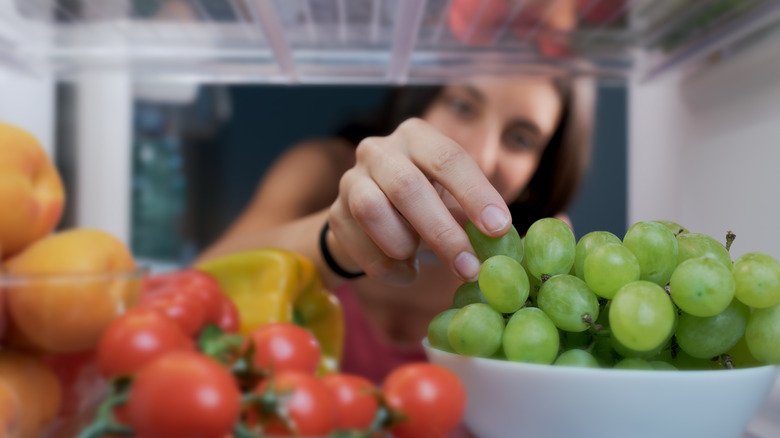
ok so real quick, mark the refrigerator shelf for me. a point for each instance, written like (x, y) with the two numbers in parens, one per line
(367, 41)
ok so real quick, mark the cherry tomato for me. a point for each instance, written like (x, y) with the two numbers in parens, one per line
(284, 346)
(10, 412)
(188, 310)
(36, 387)
(183, 394)
(355, 398)
(430, 397)
(190, 281)
(229, 319)
(136, 338)
(304, 399)
(79, 379)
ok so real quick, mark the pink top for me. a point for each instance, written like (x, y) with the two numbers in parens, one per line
(367, 352)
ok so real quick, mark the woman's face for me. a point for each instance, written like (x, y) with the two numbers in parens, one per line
(503, 123)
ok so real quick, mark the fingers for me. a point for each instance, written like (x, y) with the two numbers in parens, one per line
(449, 165)
(410, 192)
(372, 232)
(389, 201)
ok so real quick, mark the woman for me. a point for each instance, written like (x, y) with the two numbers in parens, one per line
(383, 221)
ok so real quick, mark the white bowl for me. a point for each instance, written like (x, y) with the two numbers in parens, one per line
(511, 400)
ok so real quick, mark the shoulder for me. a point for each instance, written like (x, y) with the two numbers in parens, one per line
(336, 151)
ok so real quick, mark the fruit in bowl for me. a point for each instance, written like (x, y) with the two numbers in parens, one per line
(660, 331)
(63, 290)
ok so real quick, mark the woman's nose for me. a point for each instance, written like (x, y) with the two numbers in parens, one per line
(486, 151)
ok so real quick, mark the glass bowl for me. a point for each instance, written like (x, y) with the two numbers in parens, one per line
(59, 318)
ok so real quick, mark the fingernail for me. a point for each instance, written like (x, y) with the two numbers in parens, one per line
(494, 218)
(467, 266)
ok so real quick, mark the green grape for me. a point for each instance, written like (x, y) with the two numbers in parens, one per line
(762, 335)
(509, 244)
(476, 330)
(437, 330)
(566, 299)
(740, 355)
(602, 350)
(572, 340)
(692, 245)
(705, 338)
(757, 276)
(624, 351)
(588, 243)
(682, 360)
(610, 267)
(503, 283)
(632, 363)
(534, 284)
(467, 293)
(641, 316)
(674, 227)
(660, 365)
(655, 247)
(702, 286)
(530, 336)
(577, 358)
(549, 247)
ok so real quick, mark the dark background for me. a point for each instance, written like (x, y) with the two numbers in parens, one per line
(210, 155)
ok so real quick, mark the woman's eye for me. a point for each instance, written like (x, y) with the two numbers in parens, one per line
(519, 140)
(461, 107)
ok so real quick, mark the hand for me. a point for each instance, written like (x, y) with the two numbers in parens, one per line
(397, 194)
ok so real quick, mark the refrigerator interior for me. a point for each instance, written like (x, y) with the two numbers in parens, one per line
(701, 78)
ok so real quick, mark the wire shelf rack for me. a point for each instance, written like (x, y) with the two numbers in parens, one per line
(368, 41)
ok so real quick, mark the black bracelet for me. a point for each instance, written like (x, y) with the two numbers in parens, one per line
(329, 260)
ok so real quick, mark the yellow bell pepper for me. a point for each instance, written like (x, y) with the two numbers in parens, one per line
(276, 285)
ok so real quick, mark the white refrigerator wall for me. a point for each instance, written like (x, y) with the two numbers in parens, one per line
(704, 150)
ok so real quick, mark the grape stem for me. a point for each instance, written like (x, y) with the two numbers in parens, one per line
(598, 328)
(726, 361)
(730, 236)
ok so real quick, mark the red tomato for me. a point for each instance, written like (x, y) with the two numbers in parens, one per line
(355, 398)
(183, 394)
(283, 347)
(190, 281)
(600, 12)
(188, 310)
(476, 22)
(305, 400)
(136, 338)
(431, 398)
(229, 319)
(79, 378)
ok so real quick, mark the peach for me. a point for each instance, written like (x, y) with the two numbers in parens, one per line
(66, 288)
(32, 196)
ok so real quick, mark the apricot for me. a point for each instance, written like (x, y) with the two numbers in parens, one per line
(66, 288)
(32, 196)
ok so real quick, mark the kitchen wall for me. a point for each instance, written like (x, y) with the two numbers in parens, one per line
(705, 149)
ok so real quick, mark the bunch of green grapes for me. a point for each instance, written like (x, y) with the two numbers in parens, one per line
(661, 297)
